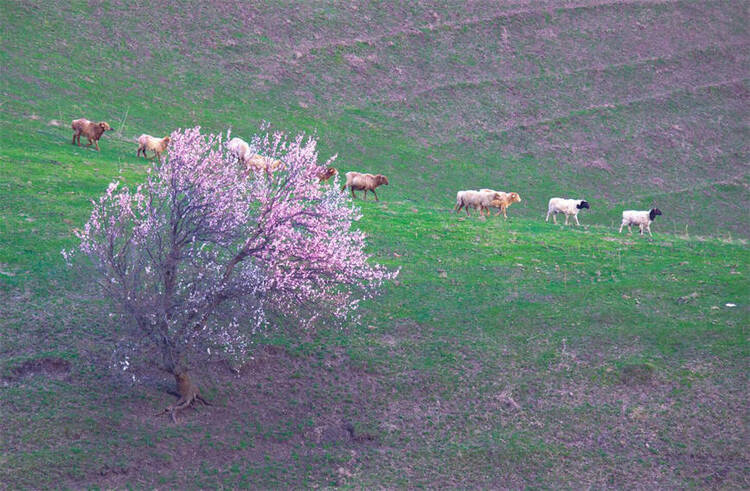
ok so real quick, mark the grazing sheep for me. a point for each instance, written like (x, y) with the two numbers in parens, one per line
(260, 163)
(479, 200)
(503, 201)
(89, 129)
(570, 207)
(641, 218)
(239, 148)
(327, 174)
(156, 145)
(363, 182)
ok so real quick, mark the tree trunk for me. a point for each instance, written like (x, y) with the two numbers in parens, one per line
(185, 387)
(188, 395)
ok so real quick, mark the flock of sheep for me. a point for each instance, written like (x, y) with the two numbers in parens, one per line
(484, 199)
(481, 200)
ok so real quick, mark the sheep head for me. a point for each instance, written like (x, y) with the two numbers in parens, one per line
(327, 174)
(380, 179)
(104, 126)
(653, 213)
(583, 204)
(514, 198)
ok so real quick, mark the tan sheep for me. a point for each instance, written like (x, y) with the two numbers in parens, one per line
(479, 200)
(504, 201)
(89, 129)
(260, 163)
(156, 145)
(363, 182)
(327, 174)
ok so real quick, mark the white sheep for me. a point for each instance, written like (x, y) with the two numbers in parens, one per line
(641, 218)
(240, 149)
(481, 200)
(485, 190)
(570, 207)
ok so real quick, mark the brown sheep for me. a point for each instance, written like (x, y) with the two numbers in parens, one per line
(327, 174)
(363, 182)
(156, 145)
(89, 129)
(505, 200)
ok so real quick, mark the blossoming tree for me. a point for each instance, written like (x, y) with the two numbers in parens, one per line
(206, 252)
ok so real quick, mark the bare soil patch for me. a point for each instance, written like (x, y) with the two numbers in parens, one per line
(51, 367)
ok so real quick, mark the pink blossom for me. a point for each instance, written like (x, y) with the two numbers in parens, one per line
(205, 252)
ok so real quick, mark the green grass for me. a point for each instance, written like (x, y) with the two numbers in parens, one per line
(507, 354)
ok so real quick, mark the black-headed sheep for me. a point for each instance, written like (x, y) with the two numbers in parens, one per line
(641, 218)
(570, 207)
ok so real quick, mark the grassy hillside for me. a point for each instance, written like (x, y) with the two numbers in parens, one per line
(627, 104)
(508, 353)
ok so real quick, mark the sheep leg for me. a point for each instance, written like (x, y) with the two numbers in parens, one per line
(376, 194)
(641, 228)
(505, 213)
(90, 142)
(354, 196)
(648, 227)
(96, 144)
(547, 219)
(566, 218)
(630, 230)
(554, 218)
(364, 196)
(75, 134)
(576, 217)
